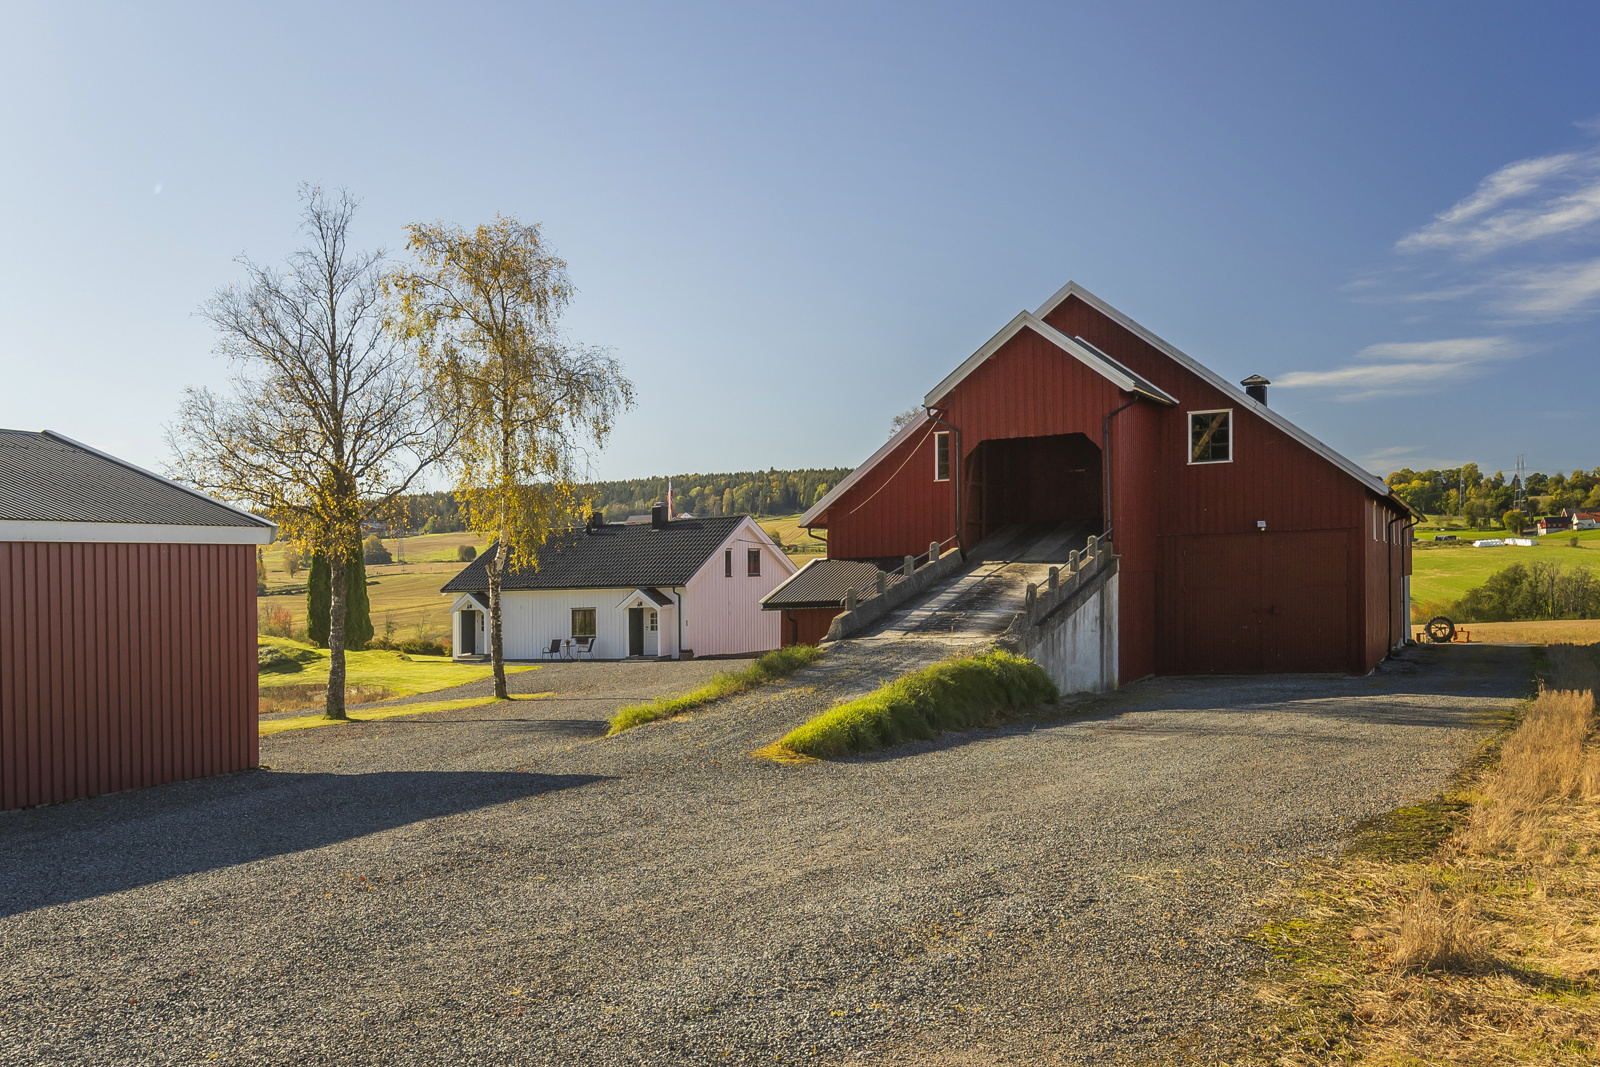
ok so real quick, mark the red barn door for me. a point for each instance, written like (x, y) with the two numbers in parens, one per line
(1248, 603)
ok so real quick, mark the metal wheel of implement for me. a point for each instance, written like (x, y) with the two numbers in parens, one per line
(1441, 630)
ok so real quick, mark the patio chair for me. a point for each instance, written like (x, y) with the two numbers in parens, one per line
(554, 651)
(584, 646)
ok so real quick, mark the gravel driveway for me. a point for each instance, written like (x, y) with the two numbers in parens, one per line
(511, 887)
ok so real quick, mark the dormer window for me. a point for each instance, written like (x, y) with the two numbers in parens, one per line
(1211, 436)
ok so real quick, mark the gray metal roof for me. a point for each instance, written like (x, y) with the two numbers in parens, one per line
(823, 584)
(614, 556)
(45, 477)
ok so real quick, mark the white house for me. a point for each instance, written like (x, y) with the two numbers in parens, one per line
(633, 589)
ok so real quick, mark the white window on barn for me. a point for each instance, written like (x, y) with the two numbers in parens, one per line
(752, 562)
(582, 622)
(941, 457)
(1211, 436)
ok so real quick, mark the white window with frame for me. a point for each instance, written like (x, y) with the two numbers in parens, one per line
(941, 456)
(1211, 436)
(652, 622)
(752, 562)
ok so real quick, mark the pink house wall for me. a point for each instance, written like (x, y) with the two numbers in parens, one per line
(722, 616)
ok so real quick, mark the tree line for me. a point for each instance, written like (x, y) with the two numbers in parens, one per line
(1527, 591)
(1481, 501)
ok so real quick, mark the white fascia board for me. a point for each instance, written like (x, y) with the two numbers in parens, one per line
(465, 600)
(1084, 354)
(1216, 381)
(109, 458)
(137, 533)
(906, 431)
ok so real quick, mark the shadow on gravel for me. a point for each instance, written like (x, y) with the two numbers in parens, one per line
(69, 852)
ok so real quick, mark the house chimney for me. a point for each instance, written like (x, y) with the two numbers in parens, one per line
(596, 520)
(1255, 387)
(658, 515)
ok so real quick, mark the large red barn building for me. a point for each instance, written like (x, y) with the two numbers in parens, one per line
(1244, 545)
(127, 625)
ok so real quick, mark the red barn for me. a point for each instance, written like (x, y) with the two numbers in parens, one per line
(127, 625)
(1244, 544)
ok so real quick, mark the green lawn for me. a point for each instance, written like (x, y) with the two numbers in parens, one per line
(398, 674)
(787, 530)
(1445, 571)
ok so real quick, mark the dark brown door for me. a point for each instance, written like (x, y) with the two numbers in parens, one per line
(469, 633)
(635, 631)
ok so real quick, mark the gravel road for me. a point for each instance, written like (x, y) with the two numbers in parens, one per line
(509, 886)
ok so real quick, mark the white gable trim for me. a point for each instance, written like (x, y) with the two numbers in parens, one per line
(467, 601)
(1216, 381)
(1086, 354)
(921, 420)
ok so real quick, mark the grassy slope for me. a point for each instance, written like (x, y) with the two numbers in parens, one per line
(399, 675)
(1446, 572)
(953, 695)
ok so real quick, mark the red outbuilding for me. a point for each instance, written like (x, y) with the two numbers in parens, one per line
(1244, 545)
(127, 625)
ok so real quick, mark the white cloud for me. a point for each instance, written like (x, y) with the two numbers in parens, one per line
(1545, 294)
(1406, 367)
(1530, 200)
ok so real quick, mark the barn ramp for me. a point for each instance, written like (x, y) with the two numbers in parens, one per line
(1045, 590)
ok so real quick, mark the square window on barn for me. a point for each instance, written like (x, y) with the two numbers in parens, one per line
(941, 457)
(582, 622)
(752, 562)
(1211, 436)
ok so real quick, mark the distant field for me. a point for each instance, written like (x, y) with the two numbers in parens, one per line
(1446, 571)
(786, 529)
(1566, 631)
(406, 594)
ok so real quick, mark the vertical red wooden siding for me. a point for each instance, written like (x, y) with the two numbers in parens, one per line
(123, 665)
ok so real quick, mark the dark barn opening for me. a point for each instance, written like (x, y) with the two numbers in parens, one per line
(1025, 481)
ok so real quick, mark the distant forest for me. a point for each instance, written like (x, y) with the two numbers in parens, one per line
(1480, 500)
(771, 492)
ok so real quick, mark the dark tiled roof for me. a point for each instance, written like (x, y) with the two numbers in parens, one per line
(615, 556)
(823, 584)
(45, 478)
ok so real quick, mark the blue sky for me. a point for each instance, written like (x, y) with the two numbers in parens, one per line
(789, 221)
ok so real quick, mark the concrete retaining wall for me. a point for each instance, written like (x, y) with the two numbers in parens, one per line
(870, 611)
(1073, 634)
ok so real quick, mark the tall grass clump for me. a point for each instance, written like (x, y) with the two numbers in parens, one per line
(779, 663)
(1545, 761)
(1434, 936)
(954, 695)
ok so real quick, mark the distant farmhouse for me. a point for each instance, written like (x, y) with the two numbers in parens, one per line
(1243, 544)
(127, 625)
(667, 588)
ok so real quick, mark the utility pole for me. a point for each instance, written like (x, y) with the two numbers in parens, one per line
(1519, 499)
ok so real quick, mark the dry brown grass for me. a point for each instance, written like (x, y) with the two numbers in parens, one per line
(299, 697)
(1487, 951)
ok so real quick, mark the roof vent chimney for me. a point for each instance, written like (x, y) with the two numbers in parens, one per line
(1255, 387)
(596, 520)
(658, 515)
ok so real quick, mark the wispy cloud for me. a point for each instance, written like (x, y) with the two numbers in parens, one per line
(1406, 367)
(1530, 200)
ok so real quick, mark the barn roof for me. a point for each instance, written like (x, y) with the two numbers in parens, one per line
(1076, 347)
(1216, 381)
(1107, 367)
(614, 556)
(48, 478)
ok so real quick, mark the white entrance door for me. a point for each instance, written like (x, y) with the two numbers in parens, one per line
(652, 632)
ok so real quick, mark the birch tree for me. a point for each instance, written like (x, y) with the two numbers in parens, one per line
(483, 308)
(326, 421)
